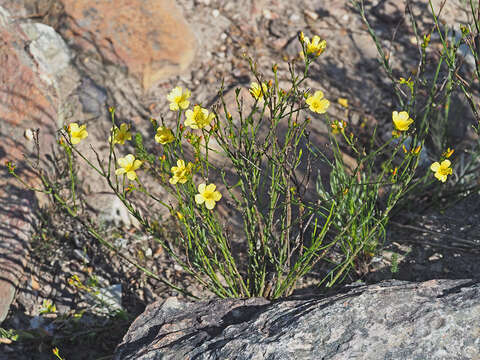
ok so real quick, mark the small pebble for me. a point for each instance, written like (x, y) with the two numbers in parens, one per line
(435, 256)
(120, 243)
(215, 13)
(28, 134)
(311, 14)
(80, 255)
(177, 267)
(36, 322)
(267, 14)
(148, 295)
(148, 252)
(77, 240)
(294, 17)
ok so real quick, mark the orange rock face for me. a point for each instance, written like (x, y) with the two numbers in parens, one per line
(23, 100)
(23, 104)
(149, 37)
(20, 96)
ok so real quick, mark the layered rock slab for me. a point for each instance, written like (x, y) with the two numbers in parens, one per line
(25, 103)
(149, 37)
(437, 319)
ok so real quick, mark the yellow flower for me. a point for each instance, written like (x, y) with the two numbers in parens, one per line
(178, 98)
(181, 172)
(316, 46)
(401, 120)
(343, 102)
(77, 133)
(164, 135)
(120, 135)
(207, 195)
(257, 92)
(198, 118)
(317, 103)
(128, 165)
(441, 170)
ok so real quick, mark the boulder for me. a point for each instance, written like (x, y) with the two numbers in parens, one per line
(437, 319)
(25, 103)
(150, 38)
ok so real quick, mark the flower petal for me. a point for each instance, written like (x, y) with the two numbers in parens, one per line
(210, 204)
(403, 115)
(120, 171)
(445, 163)
(136, 164)
(217, 196)
(130, 159)
(199, 199)
(123, 162)
(211, 188)
(131, 175)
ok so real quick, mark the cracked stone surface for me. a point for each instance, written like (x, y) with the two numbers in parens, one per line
(437, 319)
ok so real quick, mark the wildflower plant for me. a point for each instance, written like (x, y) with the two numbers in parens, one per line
(264, 180)
(429, 93)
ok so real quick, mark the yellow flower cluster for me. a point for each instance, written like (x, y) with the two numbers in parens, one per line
(402, 121)
(198, 118)
(206, 193)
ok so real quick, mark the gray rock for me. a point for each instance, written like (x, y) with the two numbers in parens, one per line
(438, 319)
(108, 300)
(80, 255)
(92, 97)
(16, 224)
(114, 211)
(48, 49)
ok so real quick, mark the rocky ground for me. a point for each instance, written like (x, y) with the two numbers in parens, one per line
(207, 41)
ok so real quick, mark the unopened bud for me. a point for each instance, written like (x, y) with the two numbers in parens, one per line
(301, 37)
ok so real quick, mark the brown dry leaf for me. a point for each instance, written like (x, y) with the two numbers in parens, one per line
(158, 252)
